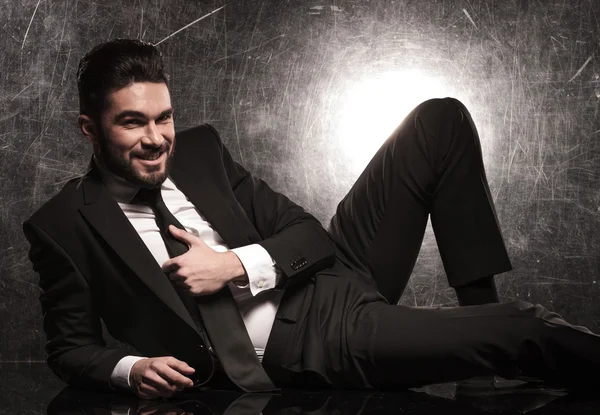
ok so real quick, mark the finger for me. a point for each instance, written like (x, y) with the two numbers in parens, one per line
(196, 290)
(161, 384)
(177, 275)
(184, 236)
(173, 377)
(171, 264)
(179, 365)
(153, 380)
(182, 367)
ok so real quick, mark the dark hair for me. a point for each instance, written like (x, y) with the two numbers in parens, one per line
(113, 65)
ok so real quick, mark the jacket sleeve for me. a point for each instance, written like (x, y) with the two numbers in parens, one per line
(76, 350)
(294, 238)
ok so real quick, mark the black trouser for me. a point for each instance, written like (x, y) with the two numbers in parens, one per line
(432, 165)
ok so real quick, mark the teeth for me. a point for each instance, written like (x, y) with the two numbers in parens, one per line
(151, 157)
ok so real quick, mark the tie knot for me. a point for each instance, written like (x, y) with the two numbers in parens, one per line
(150, 197)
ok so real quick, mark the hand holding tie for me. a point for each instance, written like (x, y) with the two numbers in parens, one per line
(202, 270)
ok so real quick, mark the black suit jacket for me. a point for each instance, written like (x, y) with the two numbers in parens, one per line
(93, 265)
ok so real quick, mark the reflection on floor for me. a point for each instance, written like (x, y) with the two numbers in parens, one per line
(33, 388)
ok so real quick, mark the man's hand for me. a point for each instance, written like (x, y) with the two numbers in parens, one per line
(202, 270)
(159, 377)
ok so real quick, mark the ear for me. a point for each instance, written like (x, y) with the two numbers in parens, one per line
(88, 128)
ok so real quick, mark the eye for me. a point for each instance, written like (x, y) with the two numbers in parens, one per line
(165, 118)
(132, 123)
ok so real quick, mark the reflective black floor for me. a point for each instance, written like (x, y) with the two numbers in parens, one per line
(33, 389)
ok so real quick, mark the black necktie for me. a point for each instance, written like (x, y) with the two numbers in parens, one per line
(216, 313)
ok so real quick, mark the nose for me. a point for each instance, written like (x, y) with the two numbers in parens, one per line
(153, 136)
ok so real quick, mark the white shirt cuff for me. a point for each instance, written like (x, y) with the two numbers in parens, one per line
(263, 273)
(120, 374)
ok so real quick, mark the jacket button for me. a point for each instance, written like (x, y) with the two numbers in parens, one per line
(299, 263)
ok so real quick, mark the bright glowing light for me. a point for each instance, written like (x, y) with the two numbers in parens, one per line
(373, 107)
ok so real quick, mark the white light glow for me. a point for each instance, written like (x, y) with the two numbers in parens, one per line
(373, 107)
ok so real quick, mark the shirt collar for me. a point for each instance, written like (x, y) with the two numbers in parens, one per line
(122, 190)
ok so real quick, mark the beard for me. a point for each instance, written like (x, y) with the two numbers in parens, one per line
(112, 158)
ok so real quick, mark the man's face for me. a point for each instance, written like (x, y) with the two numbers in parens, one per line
(136, 138)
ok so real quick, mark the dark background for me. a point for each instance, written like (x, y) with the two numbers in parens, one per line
(304, 92)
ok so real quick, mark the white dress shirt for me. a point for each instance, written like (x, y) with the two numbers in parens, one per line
(256, 301)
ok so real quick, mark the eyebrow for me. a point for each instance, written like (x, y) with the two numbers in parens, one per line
(138, 114)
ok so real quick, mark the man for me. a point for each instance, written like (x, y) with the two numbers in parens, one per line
(215, 279)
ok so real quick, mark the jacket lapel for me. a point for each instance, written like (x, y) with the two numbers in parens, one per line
(104, 214)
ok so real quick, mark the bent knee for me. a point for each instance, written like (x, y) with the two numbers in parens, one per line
(441, 108)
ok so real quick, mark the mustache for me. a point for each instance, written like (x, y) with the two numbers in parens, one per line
(152, 153)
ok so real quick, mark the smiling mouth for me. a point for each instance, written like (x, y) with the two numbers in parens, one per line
(151, 156)
(152, 160)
